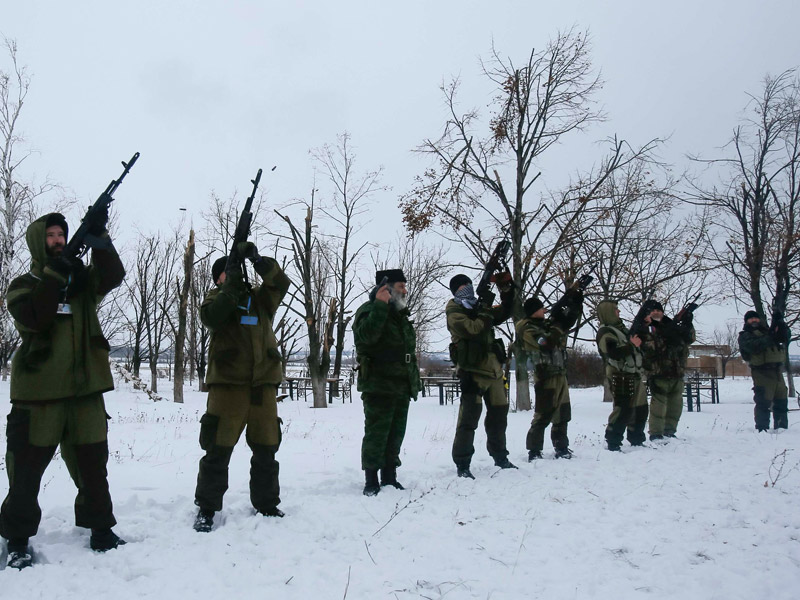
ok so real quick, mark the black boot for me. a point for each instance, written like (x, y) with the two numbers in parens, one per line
(19, 554)
(104, 539)
(204, 521)
(273, 511)
(389, 477)
(371, 485)
(534, 455)
(464, 471)
(563, 453)
(504, 463)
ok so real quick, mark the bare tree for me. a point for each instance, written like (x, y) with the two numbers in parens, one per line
(198, 334)
(758, 201)
(183, 289)
(19, 198)
(479, 182)
(351, 196)
(317, 305)
(727, 342)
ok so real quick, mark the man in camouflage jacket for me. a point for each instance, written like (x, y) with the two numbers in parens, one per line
(58, 377)
(545, 339)
(479, 359)
(764, 349)
(388, 377)
(665, 346)
(244, 372)
(623, 368)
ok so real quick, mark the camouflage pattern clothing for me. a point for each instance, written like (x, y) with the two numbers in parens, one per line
(388, 377)
(244, 371)
(58, 375)
(665, 348)
(477, 355)
(764, 352)
(623, 369)
(546, 341)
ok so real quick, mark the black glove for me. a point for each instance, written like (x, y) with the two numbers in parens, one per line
(99, 220)
(247, 250)
(488, 299)
(234, 281)
(58, 266)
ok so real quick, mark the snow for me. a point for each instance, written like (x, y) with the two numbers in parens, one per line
(706, 516)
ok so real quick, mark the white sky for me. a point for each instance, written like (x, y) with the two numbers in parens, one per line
(210, 91)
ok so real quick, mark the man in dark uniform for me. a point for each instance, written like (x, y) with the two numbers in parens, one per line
(479, 359)
(764, 349)
(388, 377)
(665, 349)
(58, 377)
(244, 371)
(546, 341)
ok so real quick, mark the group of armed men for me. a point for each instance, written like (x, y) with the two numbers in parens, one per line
(61, 370)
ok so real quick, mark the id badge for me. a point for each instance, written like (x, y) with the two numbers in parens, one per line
(249, 320)
(64, 309)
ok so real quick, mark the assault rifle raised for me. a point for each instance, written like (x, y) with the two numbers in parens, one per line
(82, 239)
(495, 264)
(242, 232)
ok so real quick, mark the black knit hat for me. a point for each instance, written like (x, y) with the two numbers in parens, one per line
(57, 219)
(651, 305)
(218, 267)
(750, 314)
(531, 305)
(392, 276)
(457, 281)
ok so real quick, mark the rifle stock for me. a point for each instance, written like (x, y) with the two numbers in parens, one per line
(496, 261)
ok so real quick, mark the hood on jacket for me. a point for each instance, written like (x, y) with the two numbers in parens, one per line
(35, 237)
(606, 312)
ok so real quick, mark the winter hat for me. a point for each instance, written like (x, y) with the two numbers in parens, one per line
(651, 305)
(57, 219)
(218, 267)
(531, 305)
(749, 315)
(457, 281)
(392, 276)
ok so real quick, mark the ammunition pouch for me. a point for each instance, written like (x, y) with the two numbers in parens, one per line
(499, 349)
(471, 353)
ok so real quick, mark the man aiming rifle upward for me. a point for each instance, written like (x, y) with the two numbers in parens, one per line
(479, 357)
(244, 371)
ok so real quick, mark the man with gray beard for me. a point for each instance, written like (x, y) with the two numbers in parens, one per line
(388, 376)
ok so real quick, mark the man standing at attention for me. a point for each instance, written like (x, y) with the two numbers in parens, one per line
(244, 372)
(388, 376)
(479, 359)
(58, 377)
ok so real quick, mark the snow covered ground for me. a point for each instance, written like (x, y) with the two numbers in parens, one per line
(710, 515)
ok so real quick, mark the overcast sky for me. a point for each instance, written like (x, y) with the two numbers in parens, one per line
(210, 91)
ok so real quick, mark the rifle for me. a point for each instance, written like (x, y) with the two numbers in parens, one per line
(638, 326)
(82, 240)
(688, 309)
(242, 232)
(778, 329)
(562, 311)
(496, 263)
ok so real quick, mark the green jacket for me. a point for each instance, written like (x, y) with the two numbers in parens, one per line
(547, 344)
(759, 348)
(665, 347)
(60, 355)
(613, 343)
(474, 349)
(241, 353)
(386, 348)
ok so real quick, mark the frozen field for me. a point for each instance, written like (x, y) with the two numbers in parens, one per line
(711, 515)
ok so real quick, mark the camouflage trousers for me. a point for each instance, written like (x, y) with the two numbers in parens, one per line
(770, 394)
(475, 391)
(666, 405)
(34, 432)
(551, 406)
(230, 409)
(630, 409)
(385, 419)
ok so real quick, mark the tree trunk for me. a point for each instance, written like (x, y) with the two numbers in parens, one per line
(522, 381)
(154, 375)
(183, 307)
